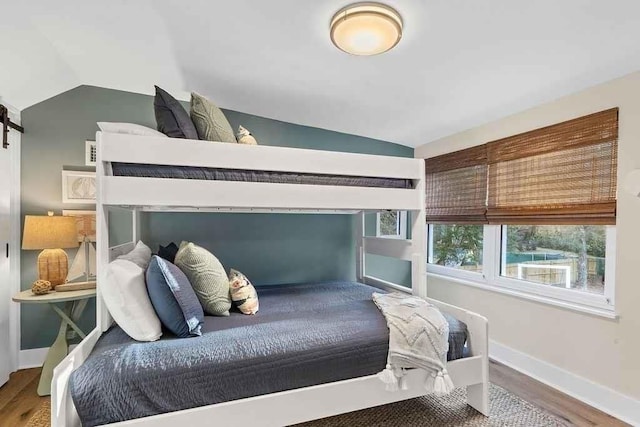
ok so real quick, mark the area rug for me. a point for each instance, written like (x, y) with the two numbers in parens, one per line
(42, 417)
(505, 409)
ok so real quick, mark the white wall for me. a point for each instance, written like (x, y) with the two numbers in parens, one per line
(606, 352)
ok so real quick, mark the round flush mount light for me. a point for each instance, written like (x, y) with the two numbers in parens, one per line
(366, 28)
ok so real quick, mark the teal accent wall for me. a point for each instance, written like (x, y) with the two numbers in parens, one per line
(269, 248)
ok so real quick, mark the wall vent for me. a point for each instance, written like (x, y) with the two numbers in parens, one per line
(90, 155)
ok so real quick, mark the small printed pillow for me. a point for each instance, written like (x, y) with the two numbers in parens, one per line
(173, 298)
(171, 117)
(168, 252)
(207, 276)
(210, 121)
(128, 128)
(140, 255)
(125, 295)
(245, 137)
(243, 294)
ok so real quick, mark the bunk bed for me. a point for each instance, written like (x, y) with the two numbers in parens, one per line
(141, 174)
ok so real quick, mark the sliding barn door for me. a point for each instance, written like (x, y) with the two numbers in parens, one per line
(6, 284)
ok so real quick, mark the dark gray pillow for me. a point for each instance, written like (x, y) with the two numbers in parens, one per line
(457, 337)
(171, 117)
(168, 252)
(173, 298)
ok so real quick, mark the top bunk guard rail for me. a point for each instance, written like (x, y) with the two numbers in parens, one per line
(183, 152)
(192, 194)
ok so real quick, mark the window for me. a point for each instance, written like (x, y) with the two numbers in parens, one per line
(565, 256)
(456, 246)
(391, 224)
(531, 215)
(456, 199)
(557, 264)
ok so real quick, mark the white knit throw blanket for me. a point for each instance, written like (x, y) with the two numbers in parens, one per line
(418, 338)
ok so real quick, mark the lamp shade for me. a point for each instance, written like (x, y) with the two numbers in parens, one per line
(49, 232)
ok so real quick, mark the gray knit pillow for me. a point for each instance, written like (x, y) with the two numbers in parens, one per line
(210, 121)
(207, 277)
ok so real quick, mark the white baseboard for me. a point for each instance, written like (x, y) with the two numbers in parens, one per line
(34, 358)
(603, 398)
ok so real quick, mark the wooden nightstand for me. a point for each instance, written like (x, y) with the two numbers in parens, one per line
(75, 303)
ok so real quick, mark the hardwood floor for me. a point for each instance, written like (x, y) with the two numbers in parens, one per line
(19, 400)
(551, 400)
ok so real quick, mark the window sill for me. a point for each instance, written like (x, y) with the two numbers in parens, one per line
(580, 308)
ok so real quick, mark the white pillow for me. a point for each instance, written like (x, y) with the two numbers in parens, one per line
(125, 295)
(128, 128)
(139, 255)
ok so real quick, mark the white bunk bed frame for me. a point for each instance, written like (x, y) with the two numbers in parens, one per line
(157, 194)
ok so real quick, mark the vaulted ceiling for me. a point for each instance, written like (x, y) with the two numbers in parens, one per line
(460, 63)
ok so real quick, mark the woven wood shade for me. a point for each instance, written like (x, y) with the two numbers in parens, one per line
(560, 174)
(456, 187)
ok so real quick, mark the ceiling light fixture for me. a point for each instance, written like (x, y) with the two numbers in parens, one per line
(366, 28)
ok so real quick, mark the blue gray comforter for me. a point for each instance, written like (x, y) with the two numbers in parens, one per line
(218, 174)
(303, 335)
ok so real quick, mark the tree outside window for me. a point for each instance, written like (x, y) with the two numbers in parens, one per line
(392, 224)
(457, 246)
(570, 256)
(389, 223)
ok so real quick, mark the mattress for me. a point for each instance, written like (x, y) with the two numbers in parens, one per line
(303, 335)
(214, 174)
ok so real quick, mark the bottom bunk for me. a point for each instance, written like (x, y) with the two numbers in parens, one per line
(312, 351)
(304, 335)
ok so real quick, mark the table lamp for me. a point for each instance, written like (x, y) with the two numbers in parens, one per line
(51, 233)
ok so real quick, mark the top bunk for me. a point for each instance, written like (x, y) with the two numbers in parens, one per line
(152, 173)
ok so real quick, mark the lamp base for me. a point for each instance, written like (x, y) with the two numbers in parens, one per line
(53, 265)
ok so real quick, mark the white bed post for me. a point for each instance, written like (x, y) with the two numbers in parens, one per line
(478, 394)
(419, 241)
(360, 249)
(135, 225)
(102, 238)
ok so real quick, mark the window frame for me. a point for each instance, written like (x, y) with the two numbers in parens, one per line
(491, 278)
(401, 224)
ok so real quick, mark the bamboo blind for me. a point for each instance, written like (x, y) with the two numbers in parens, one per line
(456, 187)
(560, 174)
